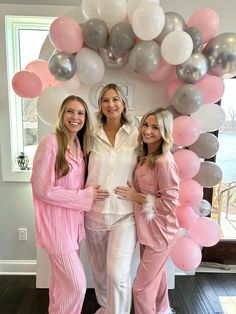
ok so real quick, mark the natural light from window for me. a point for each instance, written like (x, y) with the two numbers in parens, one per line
(25, 37)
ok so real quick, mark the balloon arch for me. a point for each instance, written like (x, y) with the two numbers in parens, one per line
(188, 55)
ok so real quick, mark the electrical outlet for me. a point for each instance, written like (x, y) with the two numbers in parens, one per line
(22, 234)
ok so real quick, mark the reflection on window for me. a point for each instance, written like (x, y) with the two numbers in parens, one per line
(24, 37)
(226, 157)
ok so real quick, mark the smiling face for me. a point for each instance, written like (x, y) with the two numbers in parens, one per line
(111, 104)
(74, 117)
(150, 132)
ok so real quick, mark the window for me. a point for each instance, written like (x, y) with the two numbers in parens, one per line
(17, 124)
(24, 39)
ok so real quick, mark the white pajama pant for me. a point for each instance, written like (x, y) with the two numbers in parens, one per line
(67, 284)
(110, 244)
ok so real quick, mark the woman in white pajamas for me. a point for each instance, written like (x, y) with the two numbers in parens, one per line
(110, 226)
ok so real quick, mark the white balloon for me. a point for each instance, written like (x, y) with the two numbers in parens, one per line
(112, 11)
(71, 85)
(148, 20)
(210, 117)
(49, 102)
(133, 4)
(89, 9)
(177, 47)
(90, 66)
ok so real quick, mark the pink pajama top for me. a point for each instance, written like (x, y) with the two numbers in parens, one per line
(59, 203)
(160, 185)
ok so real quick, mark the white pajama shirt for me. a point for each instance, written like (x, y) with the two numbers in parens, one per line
(110, 225)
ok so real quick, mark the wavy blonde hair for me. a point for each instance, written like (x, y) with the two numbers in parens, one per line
(62, 166)
(124, 117)
(165, 123)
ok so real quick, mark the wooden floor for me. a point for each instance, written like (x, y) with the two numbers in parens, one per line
(204, 293)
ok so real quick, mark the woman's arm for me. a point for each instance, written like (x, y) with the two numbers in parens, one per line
(129, 193)
(43, 181)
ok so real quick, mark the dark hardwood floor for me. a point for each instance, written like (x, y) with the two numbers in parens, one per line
(204, 293)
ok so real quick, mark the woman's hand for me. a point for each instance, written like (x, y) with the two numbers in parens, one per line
(98, 194)
(129, 193)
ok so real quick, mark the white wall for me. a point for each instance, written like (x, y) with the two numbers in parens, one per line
(16, 208)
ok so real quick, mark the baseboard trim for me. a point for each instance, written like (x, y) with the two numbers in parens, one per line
(18, 267)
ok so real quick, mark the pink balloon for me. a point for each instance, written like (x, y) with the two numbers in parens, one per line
(26, 84)
(185, 215)
(205, 231)
(163, 72)
(206, 21)
(186, 254)
(185, 131)
(188, 163)
(40, 68)
(212, 88)
(190, 192)
(66, 34)
(173, 86)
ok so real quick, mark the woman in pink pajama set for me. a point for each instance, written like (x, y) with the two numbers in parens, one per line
(155, 195)
(60, 200)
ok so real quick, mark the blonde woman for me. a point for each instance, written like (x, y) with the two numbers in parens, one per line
(155, 195)
(110, 226)
(60, 200)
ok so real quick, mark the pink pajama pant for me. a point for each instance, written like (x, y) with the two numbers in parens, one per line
(150, 291)
(67, 284)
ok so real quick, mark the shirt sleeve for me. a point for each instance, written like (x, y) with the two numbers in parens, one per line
(168, 193)
(166, 200)
(43, 181)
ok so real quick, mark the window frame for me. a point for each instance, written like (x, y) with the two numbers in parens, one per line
(9, 117)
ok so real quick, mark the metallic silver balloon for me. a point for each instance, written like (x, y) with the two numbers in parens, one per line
(173, 21)
(187, 99)
(196, 36)
(209, 174)
(111, 59)
(203, 209)
(206, 146)
(145, 57)
(95, 32)
(122, 38)
(221, 54)
(194, 69)
(62, 65)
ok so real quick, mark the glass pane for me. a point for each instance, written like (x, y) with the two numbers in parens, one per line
(31, 42)
(226, 159)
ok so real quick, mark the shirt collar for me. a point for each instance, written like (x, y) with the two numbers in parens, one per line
(127, 127)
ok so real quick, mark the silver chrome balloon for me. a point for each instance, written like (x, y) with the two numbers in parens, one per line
(206, 146)
(122, 38)
(209, 174)
(196, 36)
(203, 209)
(95, 32)
(221, 54)
(187, 99)
(145, 57)
(173, 21)
(111, 59)
(194, 69)
(62, 65)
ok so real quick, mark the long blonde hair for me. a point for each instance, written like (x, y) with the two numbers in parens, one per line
(165, 123)
(62, 166)
(124, 117)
